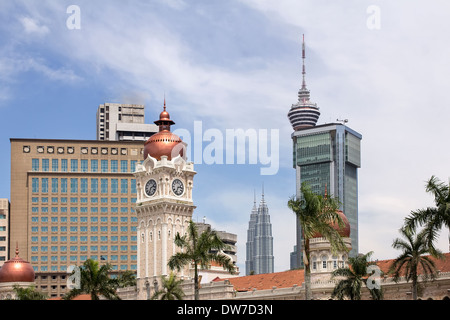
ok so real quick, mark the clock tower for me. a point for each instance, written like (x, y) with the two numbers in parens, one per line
(164, 205)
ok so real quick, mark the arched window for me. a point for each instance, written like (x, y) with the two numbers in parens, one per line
(150, 235)
(335, 262)
(324, 261)
(314, 262)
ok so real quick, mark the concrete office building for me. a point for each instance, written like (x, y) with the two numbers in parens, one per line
(4, 238)
(72, 200)
(123, 122)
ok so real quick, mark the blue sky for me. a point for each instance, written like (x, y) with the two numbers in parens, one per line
(237, 64)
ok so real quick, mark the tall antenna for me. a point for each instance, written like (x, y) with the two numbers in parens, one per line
(303, 58)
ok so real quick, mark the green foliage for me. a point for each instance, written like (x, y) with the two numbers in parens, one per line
(355, 277)
(200, 250)
(125, 279)
(29, 293)
(412, 258)
(95, 280)
(316, 214)
(171, 289)
(432, 218)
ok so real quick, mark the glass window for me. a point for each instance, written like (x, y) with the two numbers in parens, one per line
(104, 164)
(35, 164)
(123, 166)
(84, 166)
(35, 184)
(124, 185)
(73, 185)
(45, 165)
(64, 165)
(114, 165)
(133, 186)
(55, 165)
(104, 186)
(94, 165)
(63, 186)
(45, 185)
(94, 186)
(114, 185)
(54, 186)
(133, 165)
(84, 185)
(74, 165)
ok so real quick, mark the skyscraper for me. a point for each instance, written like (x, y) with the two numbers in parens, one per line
(327, 157)
(259, 247)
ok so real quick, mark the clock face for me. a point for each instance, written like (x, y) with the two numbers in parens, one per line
(150, 187)
(177, 187)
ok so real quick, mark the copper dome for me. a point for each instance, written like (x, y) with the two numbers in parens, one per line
(343, 231)
(164, 143)
(16, 270)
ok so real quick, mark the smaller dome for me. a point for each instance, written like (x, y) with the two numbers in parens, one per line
(344, 231)
(16, 270)
(164, 143)
(164, 115)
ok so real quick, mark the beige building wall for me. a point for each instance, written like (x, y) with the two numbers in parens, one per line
(4, 237)
(72, 200)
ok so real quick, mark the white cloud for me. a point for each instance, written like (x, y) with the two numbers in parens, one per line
(32, 26)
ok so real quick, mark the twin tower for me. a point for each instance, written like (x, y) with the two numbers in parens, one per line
(259, 246)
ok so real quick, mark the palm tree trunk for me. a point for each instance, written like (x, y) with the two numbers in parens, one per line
(308, 292)
(414, 289)
(196, 291)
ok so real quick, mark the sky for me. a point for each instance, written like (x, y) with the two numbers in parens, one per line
(236, 64)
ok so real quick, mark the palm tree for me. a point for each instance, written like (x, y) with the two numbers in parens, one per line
(171, 289)
(316, 214)
(201, 251)
(29, 293)
(433, 219)
(412, 258)
(126, 279)
(354, 278)
(95, 280)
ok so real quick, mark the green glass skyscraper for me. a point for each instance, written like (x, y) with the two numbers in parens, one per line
(327, 157)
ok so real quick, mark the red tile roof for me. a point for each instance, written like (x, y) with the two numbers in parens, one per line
(264, 281)
(443, 265)
(289, 278)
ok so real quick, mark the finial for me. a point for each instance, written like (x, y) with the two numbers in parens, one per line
(164, 101)
(254, 197)
(17, 249)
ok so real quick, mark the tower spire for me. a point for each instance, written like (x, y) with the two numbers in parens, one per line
(303, 67)
(304, 113)
(263, 190)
